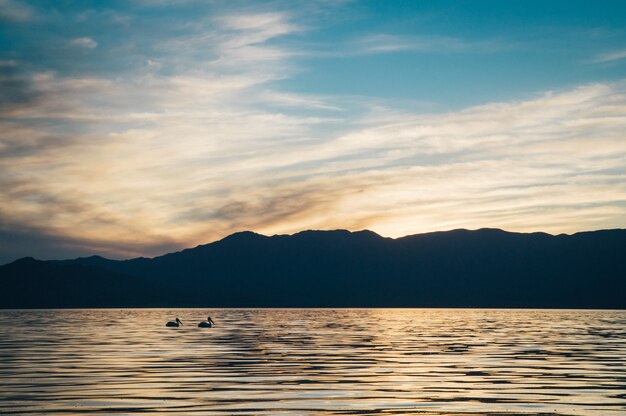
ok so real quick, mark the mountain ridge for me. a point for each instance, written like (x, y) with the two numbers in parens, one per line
(488, 267)
(408, 236)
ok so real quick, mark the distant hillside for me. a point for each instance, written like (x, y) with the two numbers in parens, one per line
(30, 283)
(460, 268)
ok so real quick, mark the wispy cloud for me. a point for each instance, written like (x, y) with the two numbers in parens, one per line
(610, 56)
(386, 43)
(195, 173)
(84, 42)
(201, 138)
(128, 130)
(14, 10)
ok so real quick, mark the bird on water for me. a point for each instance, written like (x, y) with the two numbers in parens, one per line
(206, 324)
(175, 323)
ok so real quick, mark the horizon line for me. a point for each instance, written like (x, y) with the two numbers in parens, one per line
(322, 231)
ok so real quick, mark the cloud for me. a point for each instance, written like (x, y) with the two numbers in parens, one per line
(200, 139)
(95, 129)
(265, 25)
(84, 42)
(38, 243)
(610, 56)
(196, 164)
(17, 11)
(385, 43)
(164, 3)
(286, 99)
(17, 90)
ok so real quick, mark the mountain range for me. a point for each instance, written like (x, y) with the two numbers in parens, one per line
(459, 268)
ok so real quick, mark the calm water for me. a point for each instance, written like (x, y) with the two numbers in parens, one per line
(367, 361)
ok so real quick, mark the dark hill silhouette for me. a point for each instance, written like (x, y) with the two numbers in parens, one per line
(30, 283)
(460, 268)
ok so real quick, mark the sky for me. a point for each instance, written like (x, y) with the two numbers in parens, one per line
(135, 128)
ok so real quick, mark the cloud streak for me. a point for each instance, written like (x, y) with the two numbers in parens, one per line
(13, 10)
(611, 56)
(84, 42)
(386, 43)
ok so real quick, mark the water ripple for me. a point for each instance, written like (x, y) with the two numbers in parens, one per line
(310, 361)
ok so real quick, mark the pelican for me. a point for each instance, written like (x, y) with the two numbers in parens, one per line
(175, 323)
(206, 324)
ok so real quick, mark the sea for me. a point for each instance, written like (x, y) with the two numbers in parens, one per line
(313, 362)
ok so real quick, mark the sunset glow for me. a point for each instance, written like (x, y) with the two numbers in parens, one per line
(136, 128)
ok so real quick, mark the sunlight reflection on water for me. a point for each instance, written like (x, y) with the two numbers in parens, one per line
(310, 361)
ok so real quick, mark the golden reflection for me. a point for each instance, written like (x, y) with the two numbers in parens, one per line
(313, 361)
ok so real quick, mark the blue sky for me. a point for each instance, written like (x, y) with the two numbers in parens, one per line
(138, 127)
